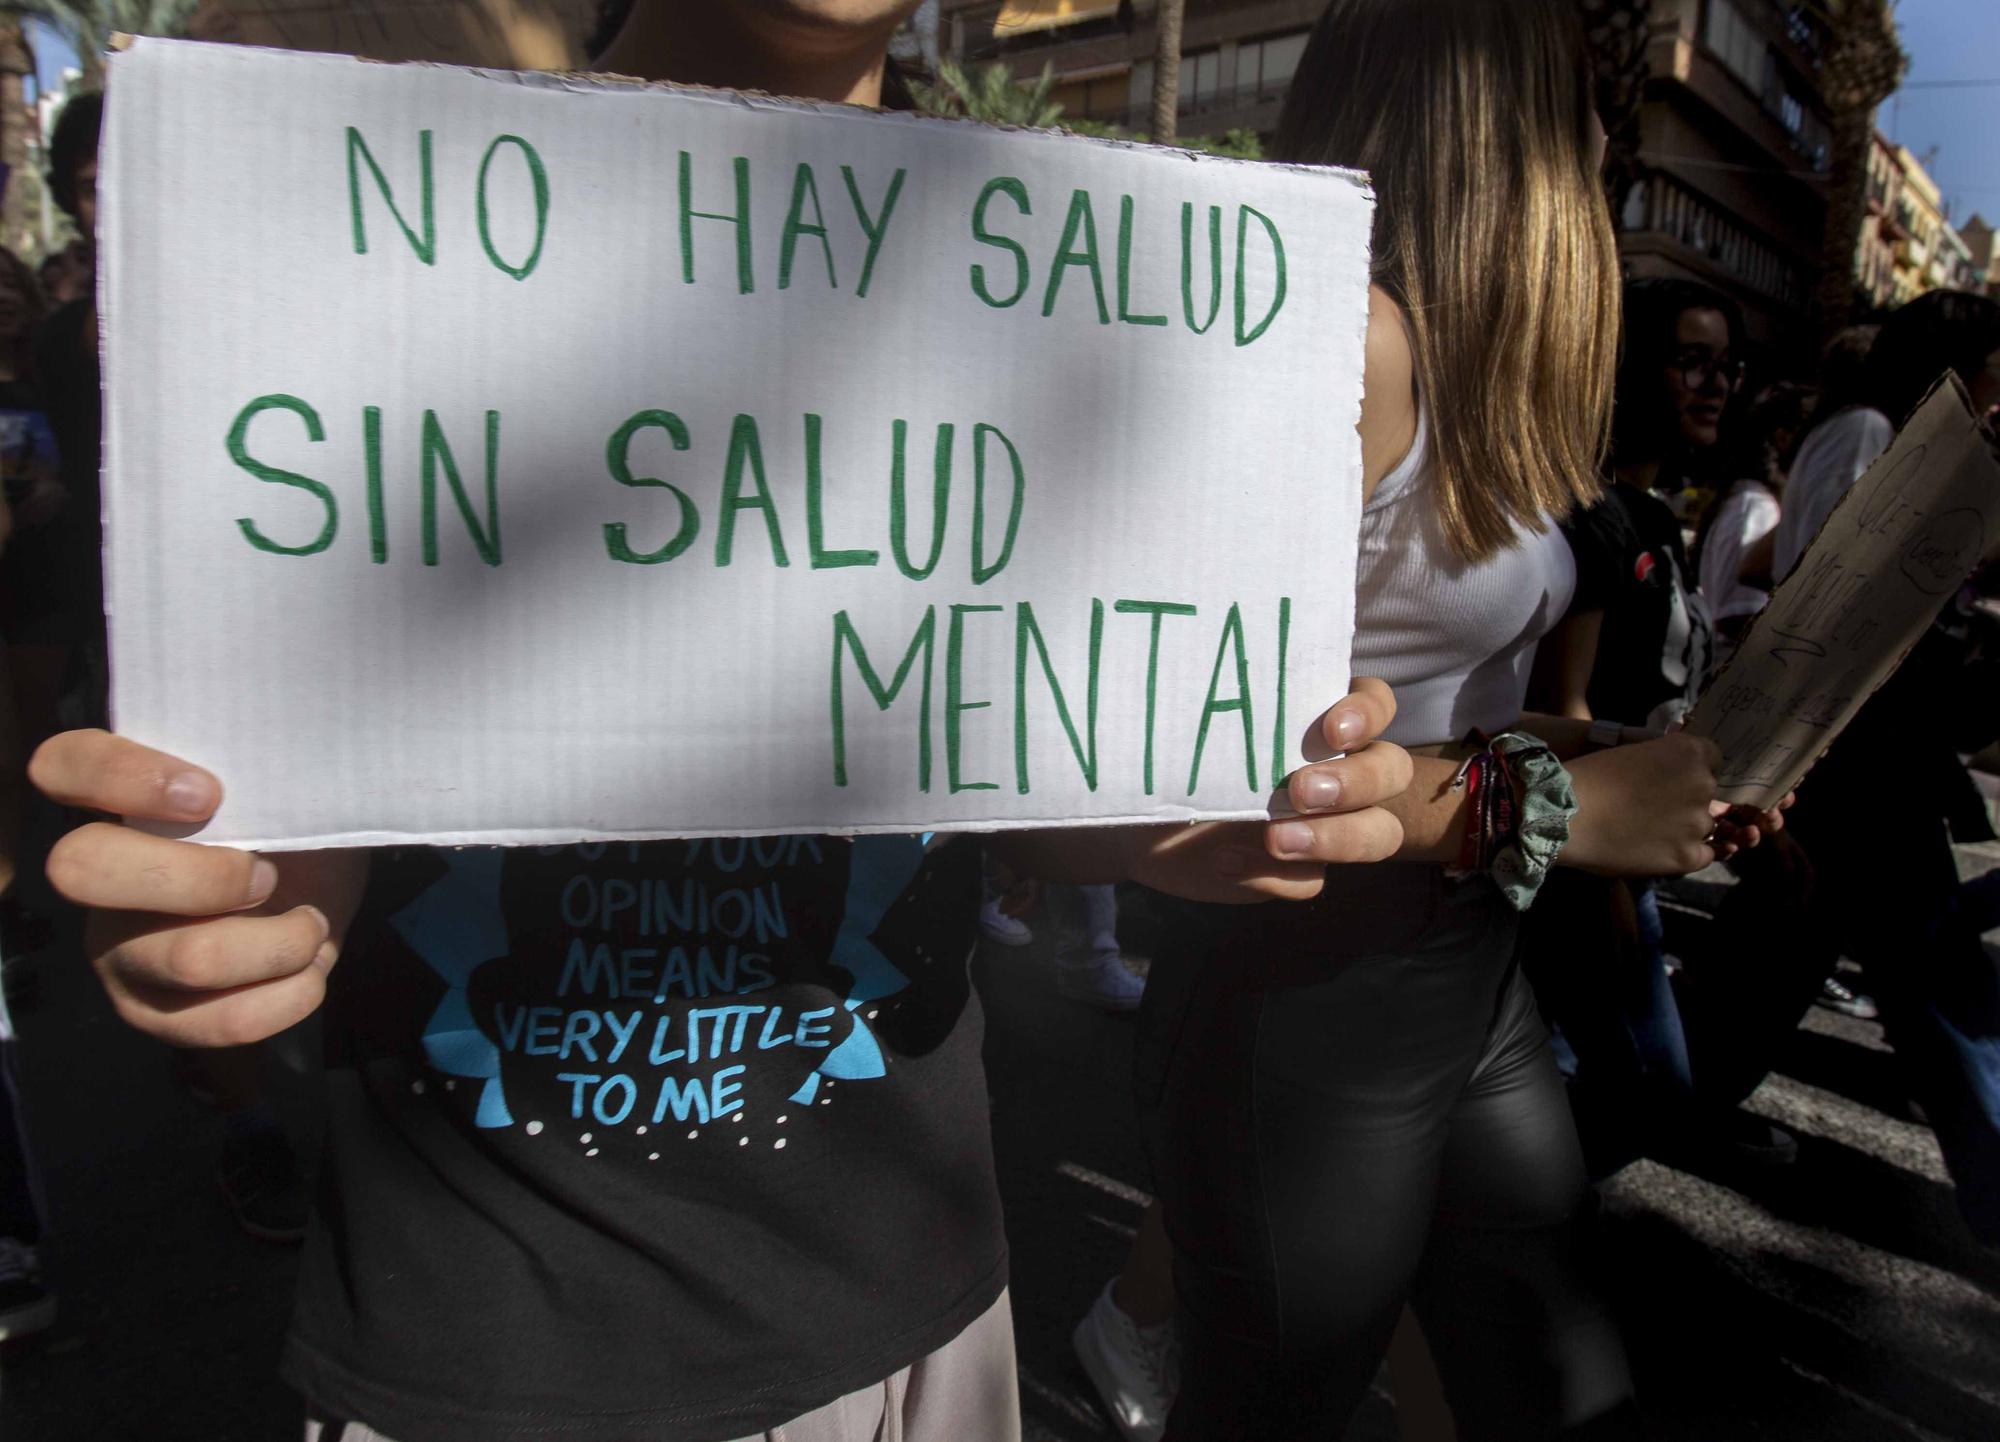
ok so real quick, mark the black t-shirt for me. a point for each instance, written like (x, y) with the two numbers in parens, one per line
(1656, 644)
(58, 569)
(27, 455)
(27, 443)
(672, 1140)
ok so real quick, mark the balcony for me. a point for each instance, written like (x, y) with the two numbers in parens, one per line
(1695, 227)
(1754, 64)
(1244, 107)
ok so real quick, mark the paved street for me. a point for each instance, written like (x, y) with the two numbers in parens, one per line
(1840, 1301)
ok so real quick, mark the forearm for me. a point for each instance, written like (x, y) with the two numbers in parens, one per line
(1433, 815)
(1431, 812)
(1759, 560)
(1569, 736)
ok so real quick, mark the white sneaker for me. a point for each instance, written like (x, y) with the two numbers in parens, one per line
(997, 926)
(1135, 1369)
(1102, 980)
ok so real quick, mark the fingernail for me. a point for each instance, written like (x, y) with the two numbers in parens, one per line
(1319, 791)
(324, 957)
(263, 879)
(325, 926)
(192, 794)
(1292, 838)
(1349, 728)
(1233, 863)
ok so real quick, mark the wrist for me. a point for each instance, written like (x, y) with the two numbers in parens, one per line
(1518, 801)
(1586, 851)
(1604, 734)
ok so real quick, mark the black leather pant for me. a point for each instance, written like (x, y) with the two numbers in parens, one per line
(1351, 1104)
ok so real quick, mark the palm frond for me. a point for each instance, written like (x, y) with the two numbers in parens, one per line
(991, 93)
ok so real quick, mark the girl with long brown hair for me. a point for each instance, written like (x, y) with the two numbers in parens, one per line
(1350, 1101)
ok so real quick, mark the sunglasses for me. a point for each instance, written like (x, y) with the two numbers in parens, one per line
(1695, 368)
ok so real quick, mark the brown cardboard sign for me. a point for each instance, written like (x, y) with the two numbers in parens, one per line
(1898, 544)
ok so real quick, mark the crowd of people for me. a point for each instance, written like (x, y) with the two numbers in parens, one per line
(1386, 1044)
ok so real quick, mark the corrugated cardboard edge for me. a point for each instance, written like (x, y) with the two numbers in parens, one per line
(570, 835)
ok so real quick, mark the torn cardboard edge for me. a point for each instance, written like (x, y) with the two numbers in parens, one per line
(592, 81)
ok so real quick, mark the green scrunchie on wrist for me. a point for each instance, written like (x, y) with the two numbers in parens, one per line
(1547, 802)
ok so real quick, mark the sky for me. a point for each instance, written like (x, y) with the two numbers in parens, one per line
(1952, 40)
(1947, 40)
(53, 54)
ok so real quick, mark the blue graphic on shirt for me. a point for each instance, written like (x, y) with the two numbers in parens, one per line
(881, 871)
(456, 926)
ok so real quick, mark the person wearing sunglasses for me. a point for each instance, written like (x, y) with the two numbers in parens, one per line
(1634, 649)
(1636, 644)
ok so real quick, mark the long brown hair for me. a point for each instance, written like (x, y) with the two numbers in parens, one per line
(1473, 120)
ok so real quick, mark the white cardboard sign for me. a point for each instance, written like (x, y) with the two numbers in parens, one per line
(508, 458)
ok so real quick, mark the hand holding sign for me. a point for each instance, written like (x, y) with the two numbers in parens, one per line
(208, 946)
(1340, 819)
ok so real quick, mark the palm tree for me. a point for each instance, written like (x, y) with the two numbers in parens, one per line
(1166, 68)
(1617, 31)
(1863, 65)
(90, 24)
(17, 62)
(991, 93)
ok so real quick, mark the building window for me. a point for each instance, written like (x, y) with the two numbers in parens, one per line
(1807, 31)
(1265, 67)
(1662, 205)
(1201, 80)
(1811, 136)
(1095, 97)
(1737, 44)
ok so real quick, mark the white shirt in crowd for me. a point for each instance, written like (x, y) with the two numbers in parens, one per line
(1747, 515)
(1831, 460)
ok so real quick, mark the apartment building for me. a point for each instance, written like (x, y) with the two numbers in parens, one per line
(1951, 261)
(1921, 213)
(1237, 56)
(1734, 134)
(1979, 241)
(1734, 139)
(1908, 244)
(1883, 228)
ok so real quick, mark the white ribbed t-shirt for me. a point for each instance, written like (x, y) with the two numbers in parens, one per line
(1455, 640)
(1746, 516)
(1833, 457)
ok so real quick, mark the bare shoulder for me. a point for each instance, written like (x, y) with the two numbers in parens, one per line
(1388, 391)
